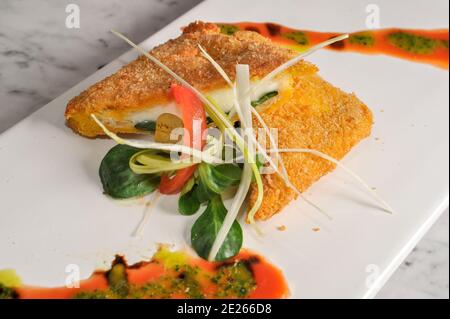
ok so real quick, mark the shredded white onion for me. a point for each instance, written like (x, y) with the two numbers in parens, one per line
(216, 66)
(147, 212)
(339, 164)
(242, 86)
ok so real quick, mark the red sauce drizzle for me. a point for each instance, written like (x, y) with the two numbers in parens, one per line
(422, 46)
(270, 282)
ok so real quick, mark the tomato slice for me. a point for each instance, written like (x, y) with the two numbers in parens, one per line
(194, 117)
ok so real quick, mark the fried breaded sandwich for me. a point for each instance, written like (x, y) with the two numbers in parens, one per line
(140, 91)
(308, 111)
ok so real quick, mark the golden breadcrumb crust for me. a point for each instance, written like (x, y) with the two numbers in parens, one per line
(141, 84)
(311, 114)
(318, 116)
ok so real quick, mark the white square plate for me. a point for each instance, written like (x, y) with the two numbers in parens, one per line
(53, 213)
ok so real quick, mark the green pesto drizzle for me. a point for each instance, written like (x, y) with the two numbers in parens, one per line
(362, 38)
(300, 37)
(228, 29)
(118, 281)
(232, 281)
(6, 293)
(95, 295)
(236, 281)
(415, 44)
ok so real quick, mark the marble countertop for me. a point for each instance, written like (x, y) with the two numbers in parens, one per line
(40, 59)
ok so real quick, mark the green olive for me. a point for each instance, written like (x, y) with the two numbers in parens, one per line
(165, 126)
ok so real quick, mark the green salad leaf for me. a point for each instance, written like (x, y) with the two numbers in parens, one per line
(218, 178)
(212, 180)
(206, 228)
(226, 175)
(118, 179)
(204, 194)
(189, 204)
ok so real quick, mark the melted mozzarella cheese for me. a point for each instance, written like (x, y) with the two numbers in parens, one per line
(222, 97)
(152, 113)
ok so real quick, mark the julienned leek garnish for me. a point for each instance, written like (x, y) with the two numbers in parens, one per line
(283, 173)
(242, 106)
(148, 161)
(216, 113)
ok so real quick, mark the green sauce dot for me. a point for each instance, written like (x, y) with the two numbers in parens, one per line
(297, 36)
(228, 29)
(415, 44)
(362, 38)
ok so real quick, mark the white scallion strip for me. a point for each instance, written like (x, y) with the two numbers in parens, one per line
(242, 84)
(242, 107)
(339, 164)
(199, 155)
(221, 72)
(147, 212)
(216, 66)
(233, 212)
(298, 58)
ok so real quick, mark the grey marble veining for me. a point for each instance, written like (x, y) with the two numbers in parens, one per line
(425, 273)
(40, 59)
